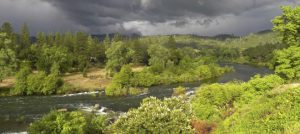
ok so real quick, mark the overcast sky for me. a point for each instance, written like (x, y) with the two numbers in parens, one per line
(147, 17)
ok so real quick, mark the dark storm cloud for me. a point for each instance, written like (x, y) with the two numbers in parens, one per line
(106, 16)
(91, 12)
(102, 13)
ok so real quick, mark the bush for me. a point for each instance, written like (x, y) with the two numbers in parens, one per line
(287, 63)
(35, 83)
(60, 123)
(278, 113)
(28, 83)
(144, 79)
(136, 91)
(215, 102)
(20, 87)
(126, 79)
(98, 124)
(172, 115)
(115, 89)
(202, 127)
(69, 123)
(120, 82)
(258, 86)
(179, 91)
(263, 84)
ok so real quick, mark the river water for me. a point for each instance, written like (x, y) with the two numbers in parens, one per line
(16, 113)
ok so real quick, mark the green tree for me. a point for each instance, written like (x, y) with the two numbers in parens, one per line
(170, 116)
(10, 35)
(117, 37)
(140, 55)
(159, 56)
(50, 55)
(7, 28)
(35, 82)
(41, 39)
(7, 57)
(106, 42)
(23, 48)
(21, 85)
(117, 56)
(58, 40)
(7, 63)
(121, 82)
(52, 82)
(288, 25)
(287, 62)
(171, 42)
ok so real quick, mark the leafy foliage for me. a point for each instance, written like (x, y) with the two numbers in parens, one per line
(271, 113)
(53, 55)
(216, 102)
(262, 54)
(170, 116)
(7, 57)
(288, 25)
(117, 56)
(179, 91)
(287, 62)
(28, 83)
(69, 123)
(212, 102)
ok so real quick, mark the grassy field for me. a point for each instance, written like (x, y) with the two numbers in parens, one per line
(96, 80)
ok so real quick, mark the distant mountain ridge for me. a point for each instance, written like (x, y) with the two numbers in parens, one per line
(101, 37)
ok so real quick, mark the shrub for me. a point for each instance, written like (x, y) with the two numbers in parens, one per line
(172, 115)
(278, 113)
(213, 102)
(136, 91)
(179, 91)
(262, 84)
(287, 63)
(203, 127)
(21, 81)
(35, 83)
(258, 86)
(120, 82)
(98, 124)
(75, 122)
(60, 123)
(144, 79)
(51, 84)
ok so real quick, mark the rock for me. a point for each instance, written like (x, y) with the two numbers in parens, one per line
(97, 106)
(62, 110)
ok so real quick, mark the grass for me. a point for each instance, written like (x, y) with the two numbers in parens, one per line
(96, 79)
(283, 88)
(7, 83)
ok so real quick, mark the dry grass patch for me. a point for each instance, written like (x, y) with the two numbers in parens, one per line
(96, 79)
(283, 88)
(7, 83)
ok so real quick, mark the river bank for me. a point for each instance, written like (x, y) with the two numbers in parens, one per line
(17, 112)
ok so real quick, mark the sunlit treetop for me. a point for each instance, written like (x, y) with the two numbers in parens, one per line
(288, 25)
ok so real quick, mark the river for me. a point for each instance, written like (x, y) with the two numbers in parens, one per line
(16, 113)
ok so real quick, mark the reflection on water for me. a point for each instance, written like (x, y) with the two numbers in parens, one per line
(16, 113)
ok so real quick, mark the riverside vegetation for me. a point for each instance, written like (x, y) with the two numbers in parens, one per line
(264, 104)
